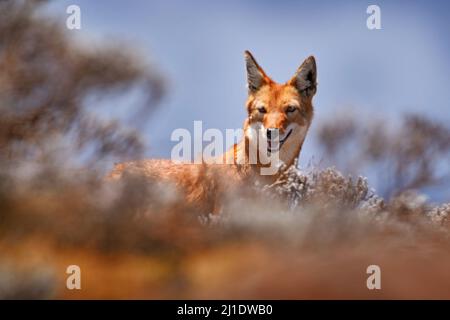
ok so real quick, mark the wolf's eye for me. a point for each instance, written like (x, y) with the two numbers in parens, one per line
(290, 109)
(262, 110)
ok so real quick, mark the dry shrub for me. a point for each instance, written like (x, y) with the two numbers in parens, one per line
(412, 154)
(46, 79)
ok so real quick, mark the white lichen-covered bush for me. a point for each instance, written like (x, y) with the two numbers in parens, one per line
(440, 214)
(330, 189)
(323, 206)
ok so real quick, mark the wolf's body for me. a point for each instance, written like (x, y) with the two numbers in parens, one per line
(286, 107)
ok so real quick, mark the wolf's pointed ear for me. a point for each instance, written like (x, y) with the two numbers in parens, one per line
(305, 79)
(256, 76)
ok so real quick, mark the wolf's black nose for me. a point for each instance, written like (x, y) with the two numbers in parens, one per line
(271, 133)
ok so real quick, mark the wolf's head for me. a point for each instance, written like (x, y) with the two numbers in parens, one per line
(282, 110)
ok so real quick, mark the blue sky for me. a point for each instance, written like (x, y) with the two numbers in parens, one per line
(199, 45)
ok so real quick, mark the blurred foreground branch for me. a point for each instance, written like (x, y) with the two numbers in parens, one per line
(45, 80)
(413, 155)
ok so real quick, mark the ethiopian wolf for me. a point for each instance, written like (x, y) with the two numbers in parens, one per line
(278, 118)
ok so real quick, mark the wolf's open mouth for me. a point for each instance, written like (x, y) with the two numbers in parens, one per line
(283, 139)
